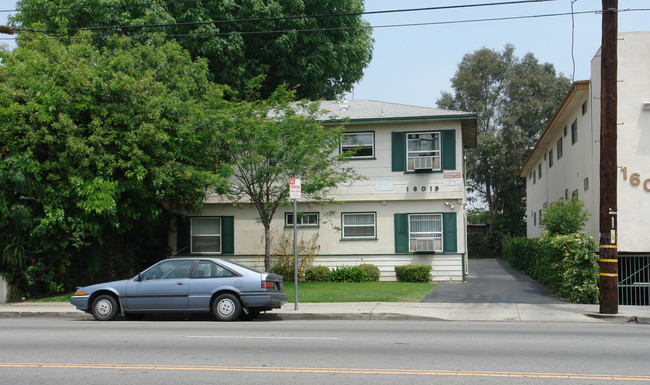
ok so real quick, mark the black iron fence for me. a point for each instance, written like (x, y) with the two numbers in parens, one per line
(634, 280)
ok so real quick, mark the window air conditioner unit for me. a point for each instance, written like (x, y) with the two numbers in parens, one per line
(423, 163)
(423, 245)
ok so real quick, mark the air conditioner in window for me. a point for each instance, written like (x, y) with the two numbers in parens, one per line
(423, 163)
(419, 245)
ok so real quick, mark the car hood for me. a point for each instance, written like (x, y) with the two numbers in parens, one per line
(118, 287)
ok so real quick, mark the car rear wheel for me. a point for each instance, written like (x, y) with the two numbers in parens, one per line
(105, 307)
(226, 307)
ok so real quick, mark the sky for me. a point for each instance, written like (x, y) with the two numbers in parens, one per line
(414, 64)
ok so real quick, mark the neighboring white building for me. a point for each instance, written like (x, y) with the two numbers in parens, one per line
(566, 159)
(410, 209)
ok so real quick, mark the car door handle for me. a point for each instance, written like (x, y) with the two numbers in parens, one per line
(179, 283)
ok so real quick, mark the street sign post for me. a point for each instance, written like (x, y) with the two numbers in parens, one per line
(295, 192)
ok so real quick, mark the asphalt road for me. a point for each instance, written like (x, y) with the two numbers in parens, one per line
(493, 281)
(41, 351)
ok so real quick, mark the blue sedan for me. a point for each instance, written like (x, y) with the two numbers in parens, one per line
(185, 285)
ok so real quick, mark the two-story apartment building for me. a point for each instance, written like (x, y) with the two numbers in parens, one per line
(409, 208)
(566, 160)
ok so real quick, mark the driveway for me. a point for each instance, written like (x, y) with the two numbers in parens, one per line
(492, 281)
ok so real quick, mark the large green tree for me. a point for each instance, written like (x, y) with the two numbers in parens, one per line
(267, 142)
(514, 99)
(96, 145)
(318, 47)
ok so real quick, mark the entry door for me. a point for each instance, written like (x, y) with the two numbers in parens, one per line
(164, 286)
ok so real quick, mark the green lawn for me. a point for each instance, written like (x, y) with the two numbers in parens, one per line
(338, 292)
(358, 291)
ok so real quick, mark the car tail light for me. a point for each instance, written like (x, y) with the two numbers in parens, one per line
(268, 285)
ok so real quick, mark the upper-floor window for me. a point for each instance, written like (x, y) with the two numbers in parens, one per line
(539, 171)
(359, 225)
(574, 131)
(423, 151)
(206, 235)
(550, 158)
(304, 219)
(361, 144)
(559, 148)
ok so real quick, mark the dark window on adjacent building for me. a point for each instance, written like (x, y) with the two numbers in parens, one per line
(539, 171)
(574, 132)
(559, 148)
(550, 158)
(584, 108)
(586, 184)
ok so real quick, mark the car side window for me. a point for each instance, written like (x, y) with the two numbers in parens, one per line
(168, 270)
(209, 269)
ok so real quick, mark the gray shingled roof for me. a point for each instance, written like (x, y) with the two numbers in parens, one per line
(372, 109)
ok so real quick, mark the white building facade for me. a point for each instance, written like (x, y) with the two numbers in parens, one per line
(409, 208)
(566, 159)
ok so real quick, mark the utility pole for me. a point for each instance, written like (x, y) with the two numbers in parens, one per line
(6, 29)
(608, 160)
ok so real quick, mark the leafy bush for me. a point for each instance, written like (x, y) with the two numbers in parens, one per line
(318, 274)
(371, 272)
(565, 216)
(347, 274)
(286, 271)
(568, 264)
(413, 273)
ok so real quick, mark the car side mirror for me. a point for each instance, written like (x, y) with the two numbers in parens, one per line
(139, 277)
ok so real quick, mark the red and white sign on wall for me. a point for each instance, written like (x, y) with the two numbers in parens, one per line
(453, 178)
(295, 189)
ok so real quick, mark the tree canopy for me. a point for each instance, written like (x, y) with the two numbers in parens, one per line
(97, 145)
(318, 47)
(514, 99)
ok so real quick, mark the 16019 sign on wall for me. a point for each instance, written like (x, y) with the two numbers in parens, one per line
(636, 179)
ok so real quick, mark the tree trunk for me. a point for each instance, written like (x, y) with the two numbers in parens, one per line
(267, 246)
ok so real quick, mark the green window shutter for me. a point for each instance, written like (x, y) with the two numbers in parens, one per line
(401, 233)
(449, 236)
(398, 151)
(227, 235)
(449, 150)
(182, 235)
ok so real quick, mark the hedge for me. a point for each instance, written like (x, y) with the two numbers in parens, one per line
(568, 264)
(413, 273)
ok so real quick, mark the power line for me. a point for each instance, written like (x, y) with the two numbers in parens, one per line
(505, 18)
(280, 18)
(344, 14)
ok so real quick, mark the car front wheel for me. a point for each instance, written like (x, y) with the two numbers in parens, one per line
(226, 307)
(105, 308)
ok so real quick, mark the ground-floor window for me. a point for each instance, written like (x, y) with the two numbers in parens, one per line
(425, 232)
(359, 225)
(206, 235)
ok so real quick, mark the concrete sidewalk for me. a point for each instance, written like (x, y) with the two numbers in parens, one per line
(500, 312)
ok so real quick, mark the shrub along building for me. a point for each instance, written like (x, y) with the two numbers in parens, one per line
(408, 209)
(565, 161)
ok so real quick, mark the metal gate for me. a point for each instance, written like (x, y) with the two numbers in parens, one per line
(634, 280)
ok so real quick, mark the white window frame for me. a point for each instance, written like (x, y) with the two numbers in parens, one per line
(362, 145)
(419, 241)
(345, 226)
(219, 235)
(304, 219)
(423, 160)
